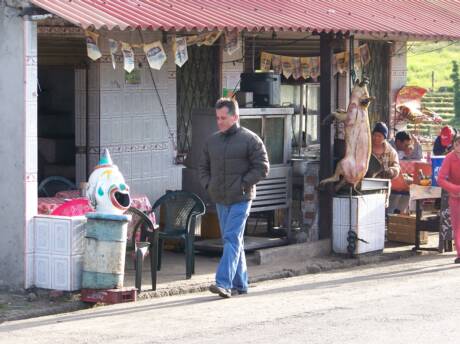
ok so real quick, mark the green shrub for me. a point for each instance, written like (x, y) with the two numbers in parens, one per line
(456, 81)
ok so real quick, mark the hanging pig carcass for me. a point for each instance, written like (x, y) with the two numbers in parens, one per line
(353, 167)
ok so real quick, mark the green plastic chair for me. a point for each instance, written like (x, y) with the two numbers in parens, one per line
(52, 185)
(148, 244)
(180, 216)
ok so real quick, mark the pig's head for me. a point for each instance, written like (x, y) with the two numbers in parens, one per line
(360, 94)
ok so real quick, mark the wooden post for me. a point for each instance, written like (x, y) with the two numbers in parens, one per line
(326, 153)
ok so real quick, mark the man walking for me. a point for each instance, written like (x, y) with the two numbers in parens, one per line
(234, 159)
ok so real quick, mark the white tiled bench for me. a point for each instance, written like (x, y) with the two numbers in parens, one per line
(54, 252)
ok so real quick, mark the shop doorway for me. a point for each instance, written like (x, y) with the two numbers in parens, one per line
(56, 122)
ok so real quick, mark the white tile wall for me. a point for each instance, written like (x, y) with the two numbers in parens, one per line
(366, 210)
(66, 272)
(94, 104)
(42, 271)
(80, 79)
(128, 120)
(112, 103)
(93, 160)
(31, 150)
(31, 121)
(398, 77)
(43, 231)
(367, 219)
(94, 77)
(69, 236)
(59, 247)
(373, 234)
(94, 131)
(61, 237)
(80, 161)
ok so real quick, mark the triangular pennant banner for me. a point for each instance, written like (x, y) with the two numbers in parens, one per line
(155, 54)
(128, 57)
(91, 45)
(180, 51)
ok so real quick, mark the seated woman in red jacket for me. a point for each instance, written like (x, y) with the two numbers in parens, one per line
(444, 142)
(449, 180)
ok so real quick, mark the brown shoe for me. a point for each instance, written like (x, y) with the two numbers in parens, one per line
(222, 292)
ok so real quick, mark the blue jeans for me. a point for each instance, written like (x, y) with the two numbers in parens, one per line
(232, 271)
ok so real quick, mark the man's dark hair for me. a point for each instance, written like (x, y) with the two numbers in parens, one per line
(229, 103)
(402, 136)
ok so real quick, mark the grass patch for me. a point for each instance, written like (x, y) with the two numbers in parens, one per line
(423, 58)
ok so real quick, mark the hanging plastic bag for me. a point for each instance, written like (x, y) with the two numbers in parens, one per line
(287, 65)
(128, 57)
(265, 61)
(180, 51)
(113, 46)
(155, 54)
(91, 45)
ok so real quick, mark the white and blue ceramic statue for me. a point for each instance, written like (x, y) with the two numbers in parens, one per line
(107, 189)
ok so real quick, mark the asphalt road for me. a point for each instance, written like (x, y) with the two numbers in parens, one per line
(409, 301)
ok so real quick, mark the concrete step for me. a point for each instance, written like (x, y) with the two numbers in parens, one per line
(437, 99)
(442, 112)
(441, 94)
(434, 105)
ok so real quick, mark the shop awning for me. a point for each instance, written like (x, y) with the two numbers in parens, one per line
(415, 19)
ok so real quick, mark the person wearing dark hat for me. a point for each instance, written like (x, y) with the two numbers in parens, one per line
(443, 143)
(384, 162)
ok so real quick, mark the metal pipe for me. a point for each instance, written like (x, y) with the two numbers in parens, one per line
(300, 141)
(38, 17)
(253, 52)
(351, 74)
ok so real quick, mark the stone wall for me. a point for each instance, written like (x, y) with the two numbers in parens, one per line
(310, 203)
(18, 143)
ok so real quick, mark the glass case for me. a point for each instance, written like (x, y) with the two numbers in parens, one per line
(312, 113)
(273, 125)
(271, 130)
(293, 95)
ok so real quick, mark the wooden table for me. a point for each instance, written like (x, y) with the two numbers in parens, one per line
(438, 221)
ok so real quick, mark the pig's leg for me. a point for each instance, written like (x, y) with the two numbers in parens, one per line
(355, 190)
(335, 178)
(341, 116)
(340, 185)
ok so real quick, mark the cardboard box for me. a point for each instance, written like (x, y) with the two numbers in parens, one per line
(401, 228)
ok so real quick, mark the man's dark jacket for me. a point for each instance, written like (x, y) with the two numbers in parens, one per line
(231, 164)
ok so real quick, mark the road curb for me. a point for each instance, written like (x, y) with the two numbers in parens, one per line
(314, 265)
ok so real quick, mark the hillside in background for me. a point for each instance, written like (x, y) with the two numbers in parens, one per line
(423, 58)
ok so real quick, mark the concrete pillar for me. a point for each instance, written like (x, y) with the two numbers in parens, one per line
(18, 145)
(326, 153)
(398, 77)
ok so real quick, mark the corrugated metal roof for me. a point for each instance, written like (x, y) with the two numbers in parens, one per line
(429, 19)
